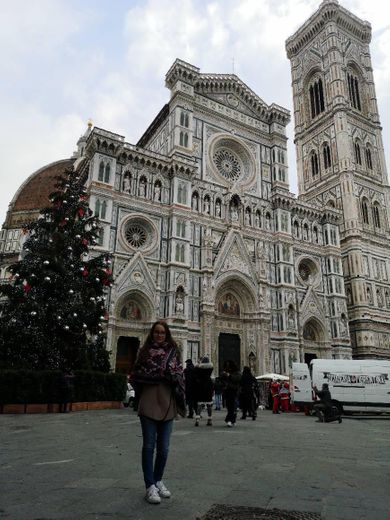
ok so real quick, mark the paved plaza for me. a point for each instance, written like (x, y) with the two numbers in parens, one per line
(86, 465)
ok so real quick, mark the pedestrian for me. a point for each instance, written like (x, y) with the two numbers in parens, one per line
(247, 394)
(65, 391)
(158, 376)
(204, 389)
(231, 381)
(324, 405)
(284, 395)
(218, 393)
(189, 387)
(275, 387)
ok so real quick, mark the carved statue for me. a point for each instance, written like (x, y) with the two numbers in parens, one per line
(142, 188)
(218, 209)
(126, 184)
(234, 214)
(179, 307)
(157, 192)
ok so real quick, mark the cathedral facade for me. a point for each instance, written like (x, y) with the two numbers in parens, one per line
(205, 233)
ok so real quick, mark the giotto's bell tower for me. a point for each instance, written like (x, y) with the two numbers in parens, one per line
(340, 160)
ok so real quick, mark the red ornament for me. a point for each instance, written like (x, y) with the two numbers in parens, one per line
(85, 272)
(26, 286)
(63, 223)
(81, 212)
(84, 242)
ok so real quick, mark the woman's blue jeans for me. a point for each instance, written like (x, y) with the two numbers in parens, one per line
(154, 433)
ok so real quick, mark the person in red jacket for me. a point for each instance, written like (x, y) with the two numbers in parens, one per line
(275, 387)
(284, 395)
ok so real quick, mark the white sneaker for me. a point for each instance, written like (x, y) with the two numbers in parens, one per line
(229, 424)
(152, 496)
(162, 490)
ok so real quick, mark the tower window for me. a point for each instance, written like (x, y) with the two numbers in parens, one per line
(184, 139)
(100, 208)
(184, 119)
(365, 211)
(327, 156)
(353, 90)
(375, 215)
(314, 164)
(107, 173)
(368, 158)
(317, 104)
(358, 155)
(101, 171)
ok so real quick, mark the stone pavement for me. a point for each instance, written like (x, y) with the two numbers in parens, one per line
(86, 465)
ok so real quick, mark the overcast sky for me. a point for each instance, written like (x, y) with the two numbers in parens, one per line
(64, 61)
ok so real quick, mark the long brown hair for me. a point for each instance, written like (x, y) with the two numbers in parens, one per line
(149, 342)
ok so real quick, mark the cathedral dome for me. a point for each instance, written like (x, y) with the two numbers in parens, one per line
(33, 194)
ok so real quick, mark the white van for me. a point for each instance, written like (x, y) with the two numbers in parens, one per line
(355, 385)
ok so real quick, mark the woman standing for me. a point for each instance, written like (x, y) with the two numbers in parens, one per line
(158, 375)
(230, 378)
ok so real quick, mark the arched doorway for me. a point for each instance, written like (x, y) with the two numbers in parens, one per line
(229, 349)
(126, 353)
(313, 340)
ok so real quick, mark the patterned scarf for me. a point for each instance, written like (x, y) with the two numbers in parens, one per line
(153, 368)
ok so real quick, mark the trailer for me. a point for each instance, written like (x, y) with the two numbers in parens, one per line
(355, 385)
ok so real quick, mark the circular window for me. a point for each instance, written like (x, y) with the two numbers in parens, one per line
(139, 233)
(307, 270)
(136, 235)
(231, 160)
(228, 164)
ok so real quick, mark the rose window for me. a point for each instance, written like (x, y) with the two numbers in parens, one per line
(308, 271)
(136, 235)
(230, 160)
(228, 165)
(138, 232)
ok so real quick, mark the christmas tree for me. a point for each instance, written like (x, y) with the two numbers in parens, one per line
(53, 309)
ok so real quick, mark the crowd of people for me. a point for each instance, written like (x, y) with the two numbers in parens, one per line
(163, 390)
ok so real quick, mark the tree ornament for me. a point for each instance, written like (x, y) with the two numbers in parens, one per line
(67, 219)
(92, 299)
(81, 212)
(64, 201)
(85, 326)
(102, 318)
(71, 291)
(97, 279)
(46, 262)
(33, 313)
(47, 278)
(78, 236)
(70, 248)
(66, 327)
(75, 314)
(59, 318)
